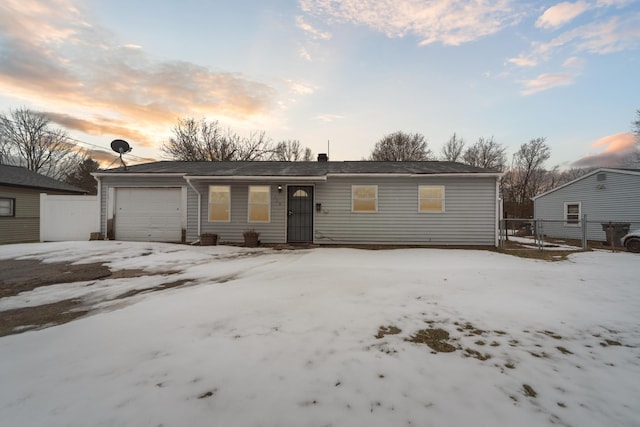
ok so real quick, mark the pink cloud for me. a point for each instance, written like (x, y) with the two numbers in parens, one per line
(448, 22)
(617, 150)
(547, 81)
(54, 58)
(561, 13)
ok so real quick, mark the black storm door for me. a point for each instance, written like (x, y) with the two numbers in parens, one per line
(300, 213)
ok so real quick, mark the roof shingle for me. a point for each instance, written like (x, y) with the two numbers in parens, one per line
(16, 176)
(270, 168)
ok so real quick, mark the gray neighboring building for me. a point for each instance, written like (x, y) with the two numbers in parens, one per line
(604, 195)
(352, 202)
(20, 191)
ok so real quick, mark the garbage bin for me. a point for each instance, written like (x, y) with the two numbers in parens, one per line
(619, 230)
(528, 228)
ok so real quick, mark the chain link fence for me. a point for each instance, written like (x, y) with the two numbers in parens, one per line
(564, 234)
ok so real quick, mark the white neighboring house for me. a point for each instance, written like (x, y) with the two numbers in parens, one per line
(604, 195)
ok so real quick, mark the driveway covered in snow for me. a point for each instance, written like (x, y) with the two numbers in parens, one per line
(227, 336)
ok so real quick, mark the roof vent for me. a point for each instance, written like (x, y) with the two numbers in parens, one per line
(322, 157)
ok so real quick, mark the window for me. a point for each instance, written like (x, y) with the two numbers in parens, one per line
(430, 198)
(7, 207)
(364, 198)
(219, 203)
(572, 212)
(259, 203)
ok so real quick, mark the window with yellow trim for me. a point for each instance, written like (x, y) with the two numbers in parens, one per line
(259, 203)
(430, 198)
(219, 203)
(364, 198)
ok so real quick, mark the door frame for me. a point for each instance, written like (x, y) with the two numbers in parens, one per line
(313, 211)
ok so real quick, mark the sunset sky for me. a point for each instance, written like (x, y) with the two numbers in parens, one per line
(344, 71)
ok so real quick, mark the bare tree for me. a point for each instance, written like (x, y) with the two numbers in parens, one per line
(27, 140)
(287, 151)
(254, 147)
(307, 156)
(486, 153)
(636, 131)
(527, 176)
(400, 146)
(556, 177)
(206, 141)
(291, 151)
(452, 149)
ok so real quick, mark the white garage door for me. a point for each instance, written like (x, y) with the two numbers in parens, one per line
(148, 214)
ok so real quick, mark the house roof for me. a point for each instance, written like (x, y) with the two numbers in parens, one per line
(626, 171)
(16, 176)
(308, 169)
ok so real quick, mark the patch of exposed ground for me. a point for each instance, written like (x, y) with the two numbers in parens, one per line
(435, 338)
(161, 287)
(22, 275)
(23, 319)
(529, 391)
(505, 352)
(26, 275)
(387, 330)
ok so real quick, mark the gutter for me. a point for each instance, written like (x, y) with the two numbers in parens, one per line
(416, 175)
(199, 206)
(498, 214)
(147, 174)
(99, 194)
(322, 178)
(270, 178)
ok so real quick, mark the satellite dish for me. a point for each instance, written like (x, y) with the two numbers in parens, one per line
(121, 147)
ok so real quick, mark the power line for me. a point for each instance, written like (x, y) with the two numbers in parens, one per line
(81, 142)
(104, 149)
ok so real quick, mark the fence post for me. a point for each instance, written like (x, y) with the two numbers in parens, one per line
(540, 234)
(584, 232)
(610, 234)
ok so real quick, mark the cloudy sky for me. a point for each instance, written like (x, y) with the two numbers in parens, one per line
(344, 71)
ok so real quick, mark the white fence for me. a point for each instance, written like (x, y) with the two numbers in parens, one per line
(65, 218)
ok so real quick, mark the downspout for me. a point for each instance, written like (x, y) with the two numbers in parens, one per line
(99, 195)
(498, 212)
(199, 205)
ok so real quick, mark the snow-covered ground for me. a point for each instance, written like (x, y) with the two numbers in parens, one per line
(531, 243)
(258, 337)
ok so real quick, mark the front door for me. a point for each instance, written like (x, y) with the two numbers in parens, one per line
(300, 213)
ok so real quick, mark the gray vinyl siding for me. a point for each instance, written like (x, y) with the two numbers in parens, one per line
(616, 199)
(270, 232)
(469, 217)
(107, 182)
